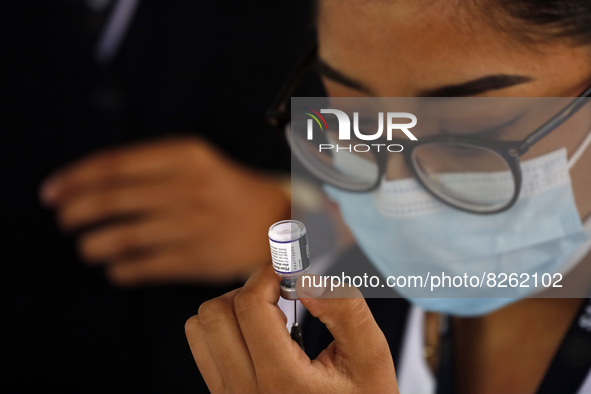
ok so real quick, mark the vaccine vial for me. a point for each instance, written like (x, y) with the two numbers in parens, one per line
(290, 254)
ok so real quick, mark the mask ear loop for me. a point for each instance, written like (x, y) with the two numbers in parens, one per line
(579, 152)
(571, 163)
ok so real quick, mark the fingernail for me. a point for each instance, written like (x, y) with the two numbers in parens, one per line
(310, 286)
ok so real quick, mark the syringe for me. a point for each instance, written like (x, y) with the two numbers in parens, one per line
(291, 259)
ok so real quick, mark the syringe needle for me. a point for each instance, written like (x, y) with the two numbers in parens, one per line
(296, 335)
(296, 329)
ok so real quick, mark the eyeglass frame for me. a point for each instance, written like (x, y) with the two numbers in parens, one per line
(279, 116)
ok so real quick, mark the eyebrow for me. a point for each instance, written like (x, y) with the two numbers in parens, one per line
(470, 88)
(331, 73)
(477, 86)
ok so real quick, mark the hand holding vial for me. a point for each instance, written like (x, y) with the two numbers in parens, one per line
(290, 254)
(240, 343)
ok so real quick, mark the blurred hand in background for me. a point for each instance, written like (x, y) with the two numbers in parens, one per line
(170, 210)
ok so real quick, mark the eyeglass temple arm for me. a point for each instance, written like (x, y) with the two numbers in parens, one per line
(278, 109)
(555, 121)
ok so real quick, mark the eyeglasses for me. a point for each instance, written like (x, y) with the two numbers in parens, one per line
(466, 172)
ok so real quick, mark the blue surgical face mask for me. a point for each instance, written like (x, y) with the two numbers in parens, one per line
(405, 231)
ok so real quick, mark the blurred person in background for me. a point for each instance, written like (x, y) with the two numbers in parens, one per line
(139, 179)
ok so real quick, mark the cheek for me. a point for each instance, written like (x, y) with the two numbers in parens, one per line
(581, 179)
(569, 135)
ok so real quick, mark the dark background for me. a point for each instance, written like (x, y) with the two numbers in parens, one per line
(204, 67)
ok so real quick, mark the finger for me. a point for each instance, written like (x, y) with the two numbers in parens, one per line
(143, 161)
(226, 343)
(346, 314)
(174, 264)
(171, 263)
(90, 208)
(202, 355)
(262, 324)
(118, 241)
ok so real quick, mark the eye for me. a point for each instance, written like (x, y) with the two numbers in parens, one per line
(461, 150)
(490, 132)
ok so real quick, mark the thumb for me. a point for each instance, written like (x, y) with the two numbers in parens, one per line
(346, 315)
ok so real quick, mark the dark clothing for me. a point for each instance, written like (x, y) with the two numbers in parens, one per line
(203, 67)
(390, 313)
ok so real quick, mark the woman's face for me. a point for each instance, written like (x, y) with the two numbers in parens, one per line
(413, 48)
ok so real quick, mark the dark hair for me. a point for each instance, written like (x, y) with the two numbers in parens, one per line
(546, 19)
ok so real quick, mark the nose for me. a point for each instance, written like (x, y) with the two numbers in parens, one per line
(396, 167)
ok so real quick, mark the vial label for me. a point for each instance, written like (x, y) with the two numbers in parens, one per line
(287, 257)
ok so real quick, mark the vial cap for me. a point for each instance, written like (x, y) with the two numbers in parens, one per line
(287, 230)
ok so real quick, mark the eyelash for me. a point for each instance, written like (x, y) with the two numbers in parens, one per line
(492, 133)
